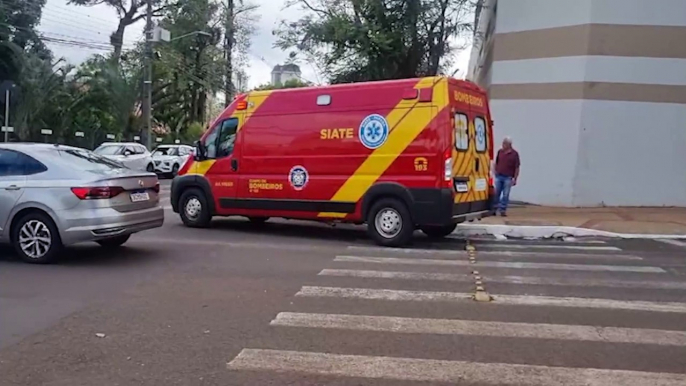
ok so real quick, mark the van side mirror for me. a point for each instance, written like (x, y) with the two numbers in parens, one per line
(199, 151)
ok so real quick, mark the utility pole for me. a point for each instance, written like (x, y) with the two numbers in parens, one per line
(7, 114)
(228, 49)
(147, 84)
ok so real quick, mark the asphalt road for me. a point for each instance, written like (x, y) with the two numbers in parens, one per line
(299, 304)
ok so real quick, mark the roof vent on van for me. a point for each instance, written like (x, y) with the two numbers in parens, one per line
(323, 100)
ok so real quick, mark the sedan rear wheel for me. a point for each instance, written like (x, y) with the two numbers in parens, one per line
(36, 238)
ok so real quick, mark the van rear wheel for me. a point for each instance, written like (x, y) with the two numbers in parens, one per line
(389, 223)
(438, 231)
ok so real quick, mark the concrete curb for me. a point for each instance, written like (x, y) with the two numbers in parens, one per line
(544, 232)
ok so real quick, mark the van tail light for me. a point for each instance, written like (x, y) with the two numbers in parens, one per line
(156, 189)
(448, 168)
(97, 193)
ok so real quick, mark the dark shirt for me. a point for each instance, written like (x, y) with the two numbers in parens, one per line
(507, 162)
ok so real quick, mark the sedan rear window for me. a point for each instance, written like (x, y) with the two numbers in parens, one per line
(109, 150)
(165, 151)
(86, 160)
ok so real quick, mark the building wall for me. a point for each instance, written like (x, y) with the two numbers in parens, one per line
(594, 94)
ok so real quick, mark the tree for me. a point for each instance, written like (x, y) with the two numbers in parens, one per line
(240, 18)
(130, 12)
(291, 83)
(359, 40)
(18, 35)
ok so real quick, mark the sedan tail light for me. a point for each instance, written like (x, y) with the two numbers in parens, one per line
(156, 188)
(97, 193)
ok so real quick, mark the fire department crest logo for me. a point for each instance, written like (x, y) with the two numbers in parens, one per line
(373, 131)
(298, 177)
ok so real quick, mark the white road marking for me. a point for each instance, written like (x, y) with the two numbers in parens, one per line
(567, 255)
(526, 280)
(401, 295)
(567, 240)
(498, 264)
(481, 328)
(677, 243)
(537, 246)
(431, 370)
(410, 251)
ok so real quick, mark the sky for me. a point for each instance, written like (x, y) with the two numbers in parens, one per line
(95, 24)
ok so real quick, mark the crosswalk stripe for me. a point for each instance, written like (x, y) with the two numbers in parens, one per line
(498, 264)
(432, 370)
(435, 296)
(673, 242)
(481, 328)
(526, 280)
(568, 255)
(572, 247)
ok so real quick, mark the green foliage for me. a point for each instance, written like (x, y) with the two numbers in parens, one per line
(358, 40)
(193, 133)
(291, 83)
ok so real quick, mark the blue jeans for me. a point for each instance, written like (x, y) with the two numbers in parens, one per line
(503, 184)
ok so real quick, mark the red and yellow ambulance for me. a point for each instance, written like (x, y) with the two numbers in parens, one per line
(397, 155)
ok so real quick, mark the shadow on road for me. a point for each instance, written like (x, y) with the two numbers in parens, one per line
(303, 230)
(92, 255)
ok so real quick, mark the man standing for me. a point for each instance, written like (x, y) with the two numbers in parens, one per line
(506, 174)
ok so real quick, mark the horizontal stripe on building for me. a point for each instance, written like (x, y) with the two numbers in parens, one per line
(609, 69)
(592, 39)
(630, 92)
(521, 15)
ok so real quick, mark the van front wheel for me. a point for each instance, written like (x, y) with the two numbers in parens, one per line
(438, 232)
(194, 209)
(389, 223)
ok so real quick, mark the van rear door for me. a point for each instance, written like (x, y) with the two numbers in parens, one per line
(471, 160)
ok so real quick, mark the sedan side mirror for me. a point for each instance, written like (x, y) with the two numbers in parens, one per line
(127, 153)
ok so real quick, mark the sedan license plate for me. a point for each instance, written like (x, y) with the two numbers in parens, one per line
(139, 197)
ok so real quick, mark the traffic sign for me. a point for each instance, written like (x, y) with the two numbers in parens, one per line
(80, 134)
(136, 138)
(46, 132)
(6, 129)
(110, 136)
(159, 139)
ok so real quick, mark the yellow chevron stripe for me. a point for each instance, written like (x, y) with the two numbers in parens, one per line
(406, 122)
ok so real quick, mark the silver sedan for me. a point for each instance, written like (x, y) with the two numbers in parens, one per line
(52, 196)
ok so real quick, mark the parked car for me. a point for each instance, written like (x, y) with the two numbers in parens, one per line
(169, 159)
(131, 154)
(52, 196)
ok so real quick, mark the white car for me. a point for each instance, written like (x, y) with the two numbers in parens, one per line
(133, 155)
(168, 159)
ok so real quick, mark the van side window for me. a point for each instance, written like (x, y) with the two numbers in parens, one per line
(480, 129)
(461, 132)
(227, 137)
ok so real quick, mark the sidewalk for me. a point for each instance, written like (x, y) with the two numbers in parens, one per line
(663, 221)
